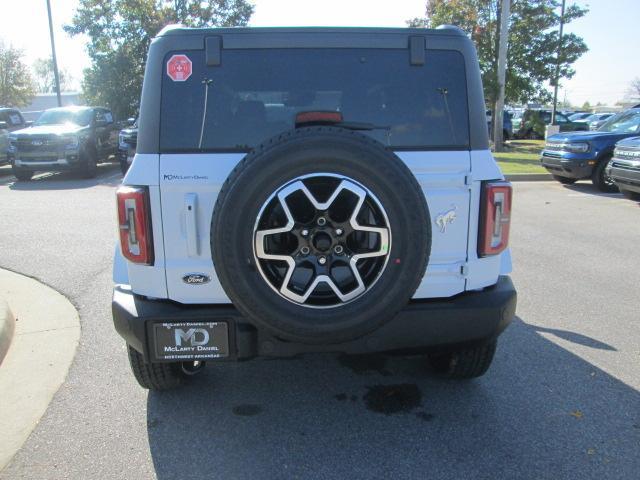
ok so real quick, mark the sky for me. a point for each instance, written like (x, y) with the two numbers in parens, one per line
(602, 75)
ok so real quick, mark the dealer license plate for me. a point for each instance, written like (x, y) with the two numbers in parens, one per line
(191, 340)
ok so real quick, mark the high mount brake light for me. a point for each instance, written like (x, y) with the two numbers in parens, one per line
(495, 218)
(134, 223)
(318, 117)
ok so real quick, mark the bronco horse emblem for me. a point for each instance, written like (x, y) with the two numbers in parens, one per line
(445, 218)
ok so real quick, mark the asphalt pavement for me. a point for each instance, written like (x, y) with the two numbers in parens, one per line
(561, 400)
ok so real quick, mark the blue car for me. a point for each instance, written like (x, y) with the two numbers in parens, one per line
(575, 156)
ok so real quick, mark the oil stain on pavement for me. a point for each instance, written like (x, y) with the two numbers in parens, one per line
(390, 399)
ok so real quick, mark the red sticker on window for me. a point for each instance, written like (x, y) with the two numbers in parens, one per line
(179, 68)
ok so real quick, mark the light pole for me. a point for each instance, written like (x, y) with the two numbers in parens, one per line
(53, 55)
(497, 122)
(557, 76)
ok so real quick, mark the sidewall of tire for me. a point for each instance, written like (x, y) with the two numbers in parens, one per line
(599, 173)
(22, 174)
(89, 167)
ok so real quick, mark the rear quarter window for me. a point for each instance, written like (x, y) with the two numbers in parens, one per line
(256, 94)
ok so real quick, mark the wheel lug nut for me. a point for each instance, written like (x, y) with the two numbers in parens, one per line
(339, 231)
(305, 232)
(304, 250)
(322, 260)
(338, 249)
(322, 221)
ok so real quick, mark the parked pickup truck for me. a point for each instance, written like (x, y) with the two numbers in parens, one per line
(127, 139)
(570, 157)
(624, 167)
(67, 138)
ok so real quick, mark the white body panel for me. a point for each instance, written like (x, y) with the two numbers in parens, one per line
(184, 178)
(184, 189)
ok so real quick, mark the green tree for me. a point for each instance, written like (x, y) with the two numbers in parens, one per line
(586, 106)
(533, 42)
(45, 78)
(120, 32)
(16, 85)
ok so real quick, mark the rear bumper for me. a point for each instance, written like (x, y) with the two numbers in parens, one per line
(472, 317)
(568, 167)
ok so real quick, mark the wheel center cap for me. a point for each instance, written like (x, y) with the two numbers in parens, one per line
(322, 241)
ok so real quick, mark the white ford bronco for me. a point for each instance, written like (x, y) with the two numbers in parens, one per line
(311, 190)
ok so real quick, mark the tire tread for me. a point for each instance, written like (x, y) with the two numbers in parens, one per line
(154, 376)
(467, 363)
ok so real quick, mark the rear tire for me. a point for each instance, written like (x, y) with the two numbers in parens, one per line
(565, 180)
(600, 179)
(464, 363)
(22, 174)
(159, 376)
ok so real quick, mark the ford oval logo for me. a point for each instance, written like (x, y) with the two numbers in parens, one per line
(196, 279)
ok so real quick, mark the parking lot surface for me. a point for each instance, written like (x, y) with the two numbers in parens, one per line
(560, 401)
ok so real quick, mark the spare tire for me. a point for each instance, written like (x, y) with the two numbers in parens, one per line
(320, 235)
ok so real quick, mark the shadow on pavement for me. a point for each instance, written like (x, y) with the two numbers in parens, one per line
(108, 174)
(541, 412)
(575, 338)
(588, 187)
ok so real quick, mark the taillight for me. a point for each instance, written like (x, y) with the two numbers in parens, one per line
(495, 218)
(134, 222)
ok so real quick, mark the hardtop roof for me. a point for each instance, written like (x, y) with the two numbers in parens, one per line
(443, 30)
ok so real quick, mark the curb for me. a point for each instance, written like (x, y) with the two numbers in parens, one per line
(45, 338)
(7, 328)
(529, 177)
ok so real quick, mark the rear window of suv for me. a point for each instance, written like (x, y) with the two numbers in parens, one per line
(256, 94)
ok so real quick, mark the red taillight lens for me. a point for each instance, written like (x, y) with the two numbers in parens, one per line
(134, 222)
(495, 218)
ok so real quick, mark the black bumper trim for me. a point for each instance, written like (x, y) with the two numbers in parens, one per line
(471, 317)
(578, 169)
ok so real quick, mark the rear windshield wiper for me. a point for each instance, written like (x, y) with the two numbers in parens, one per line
(361, 126)
(331, 117)
(444, 92)
(206, 82)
